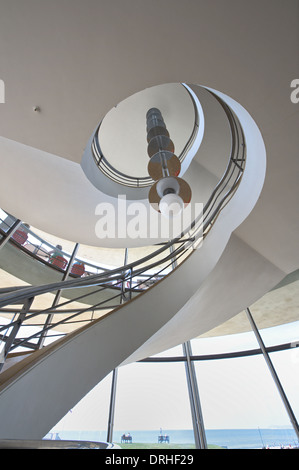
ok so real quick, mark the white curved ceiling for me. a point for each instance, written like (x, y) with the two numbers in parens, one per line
(76, 60)
(123, 135)
(54, 195)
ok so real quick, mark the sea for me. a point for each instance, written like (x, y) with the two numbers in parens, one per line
(227, 438)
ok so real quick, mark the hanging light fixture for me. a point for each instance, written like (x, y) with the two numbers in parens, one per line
(169, 194)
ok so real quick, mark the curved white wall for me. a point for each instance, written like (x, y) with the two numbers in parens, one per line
(122, 135)
(241, 275)
(54, 195)
(182, 306)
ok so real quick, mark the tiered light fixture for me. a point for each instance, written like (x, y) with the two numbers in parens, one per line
(170, 194)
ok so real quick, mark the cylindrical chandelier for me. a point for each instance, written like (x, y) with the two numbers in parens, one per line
(169, 194)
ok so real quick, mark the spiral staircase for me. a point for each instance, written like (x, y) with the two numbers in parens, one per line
(133, 310)
(164, 291)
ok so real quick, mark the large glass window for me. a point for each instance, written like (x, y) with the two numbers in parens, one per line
(152, 401)
(286, 364)
(240, 403)
(88, 419)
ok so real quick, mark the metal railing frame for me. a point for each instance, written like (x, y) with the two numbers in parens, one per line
(136, 182)
(119, 280)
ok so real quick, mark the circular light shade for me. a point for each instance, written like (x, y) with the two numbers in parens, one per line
(166, 183)
(171, 162)
(178, 185)
(159, 142)
(171, 205)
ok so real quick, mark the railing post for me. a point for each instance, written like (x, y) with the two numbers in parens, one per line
(10, 233)
(57, 296)
(123, 283)
(130, 286)
(15, 329)
(273, 373)
(196, 412)
(112, 406)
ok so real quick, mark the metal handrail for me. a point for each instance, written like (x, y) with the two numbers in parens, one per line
(148, 266)
(41, 249)
(222, 355)
(131, 181)
(25, 342)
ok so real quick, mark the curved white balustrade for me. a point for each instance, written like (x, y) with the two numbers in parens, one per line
(72, 202)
